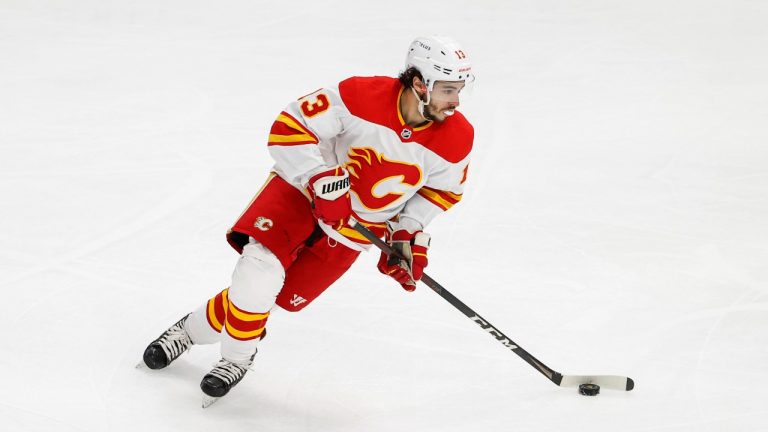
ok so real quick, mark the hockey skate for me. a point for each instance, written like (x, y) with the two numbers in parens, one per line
(221, 379)
(168, 347)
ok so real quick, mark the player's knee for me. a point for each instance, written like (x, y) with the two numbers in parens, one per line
(257, 280)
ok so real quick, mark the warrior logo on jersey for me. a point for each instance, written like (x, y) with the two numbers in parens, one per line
(377, 181)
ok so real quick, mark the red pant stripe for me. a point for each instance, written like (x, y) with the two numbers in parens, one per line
(216, 312)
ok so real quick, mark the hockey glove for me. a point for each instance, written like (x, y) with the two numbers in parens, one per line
(330, 197)
(413, 248)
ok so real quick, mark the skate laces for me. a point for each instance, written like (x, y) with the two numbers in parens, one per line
(229, 372)
(175, 340)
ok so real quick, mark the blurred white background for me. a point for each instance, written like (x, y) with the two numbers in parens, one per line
(615, 220)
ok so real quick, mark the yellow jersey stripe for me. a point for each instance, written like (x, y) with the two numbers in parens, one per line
(291, 138)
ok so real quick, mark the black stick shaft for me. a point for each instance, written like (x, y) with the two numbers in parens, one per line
(545, 370)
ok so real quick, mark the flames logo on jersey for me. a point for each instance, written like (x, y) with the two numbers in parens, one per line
(377, 181)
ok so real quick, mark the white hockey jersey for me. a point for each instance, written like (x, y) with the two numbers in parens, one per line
(395, 170)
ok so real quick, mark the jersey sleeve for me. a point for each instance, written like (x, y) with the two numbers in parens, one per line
(301, 136)
(443, 190)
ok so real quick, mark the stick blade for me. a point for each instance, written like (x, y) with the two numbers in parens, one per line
(611, 382)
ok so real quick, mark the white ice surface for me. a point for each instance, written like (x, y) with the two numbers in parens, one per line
(615, 221)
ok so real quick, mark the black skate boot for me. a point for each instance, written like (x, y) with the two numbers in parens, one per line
(168, 347)
(221, 379)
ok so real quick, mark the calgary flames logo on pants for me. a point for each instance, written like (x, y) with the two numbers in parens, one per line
(377, 181)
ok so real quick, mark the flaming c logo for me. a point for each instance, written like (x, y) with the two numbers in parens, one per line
(378, 181)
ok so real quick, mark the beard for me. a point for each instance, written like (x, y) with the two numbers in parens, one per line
(431, 112)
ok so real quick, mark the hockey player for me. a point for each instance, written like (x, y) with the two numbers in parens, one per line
(392, 153)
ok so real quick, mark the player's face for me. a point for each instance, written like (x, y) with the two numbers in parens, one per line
(443, 100)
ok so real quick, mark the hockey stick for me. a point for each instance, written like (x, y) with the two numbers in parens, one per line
(606, 381)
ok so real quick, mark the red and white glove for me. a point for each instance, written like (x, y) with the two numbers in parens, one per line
(330, 197)
(413, 248)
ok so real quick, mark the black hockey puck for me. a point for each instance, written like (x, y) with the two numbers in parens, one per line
(589, 389)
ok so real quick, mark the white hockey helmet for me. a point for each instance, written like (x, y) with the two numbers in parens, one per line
(439, 58)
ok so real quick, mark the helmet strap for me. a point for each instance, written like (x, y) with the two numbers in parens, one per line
(422, 104)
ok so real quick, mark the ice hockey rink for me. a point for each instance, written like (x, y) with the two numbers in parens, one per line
(615, 219)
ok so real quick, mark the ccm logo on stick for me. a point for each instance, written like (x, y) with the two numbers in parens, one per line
(494, 332)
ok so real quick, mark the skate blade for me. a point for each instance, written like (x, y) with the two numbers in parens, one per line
(209, 400)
